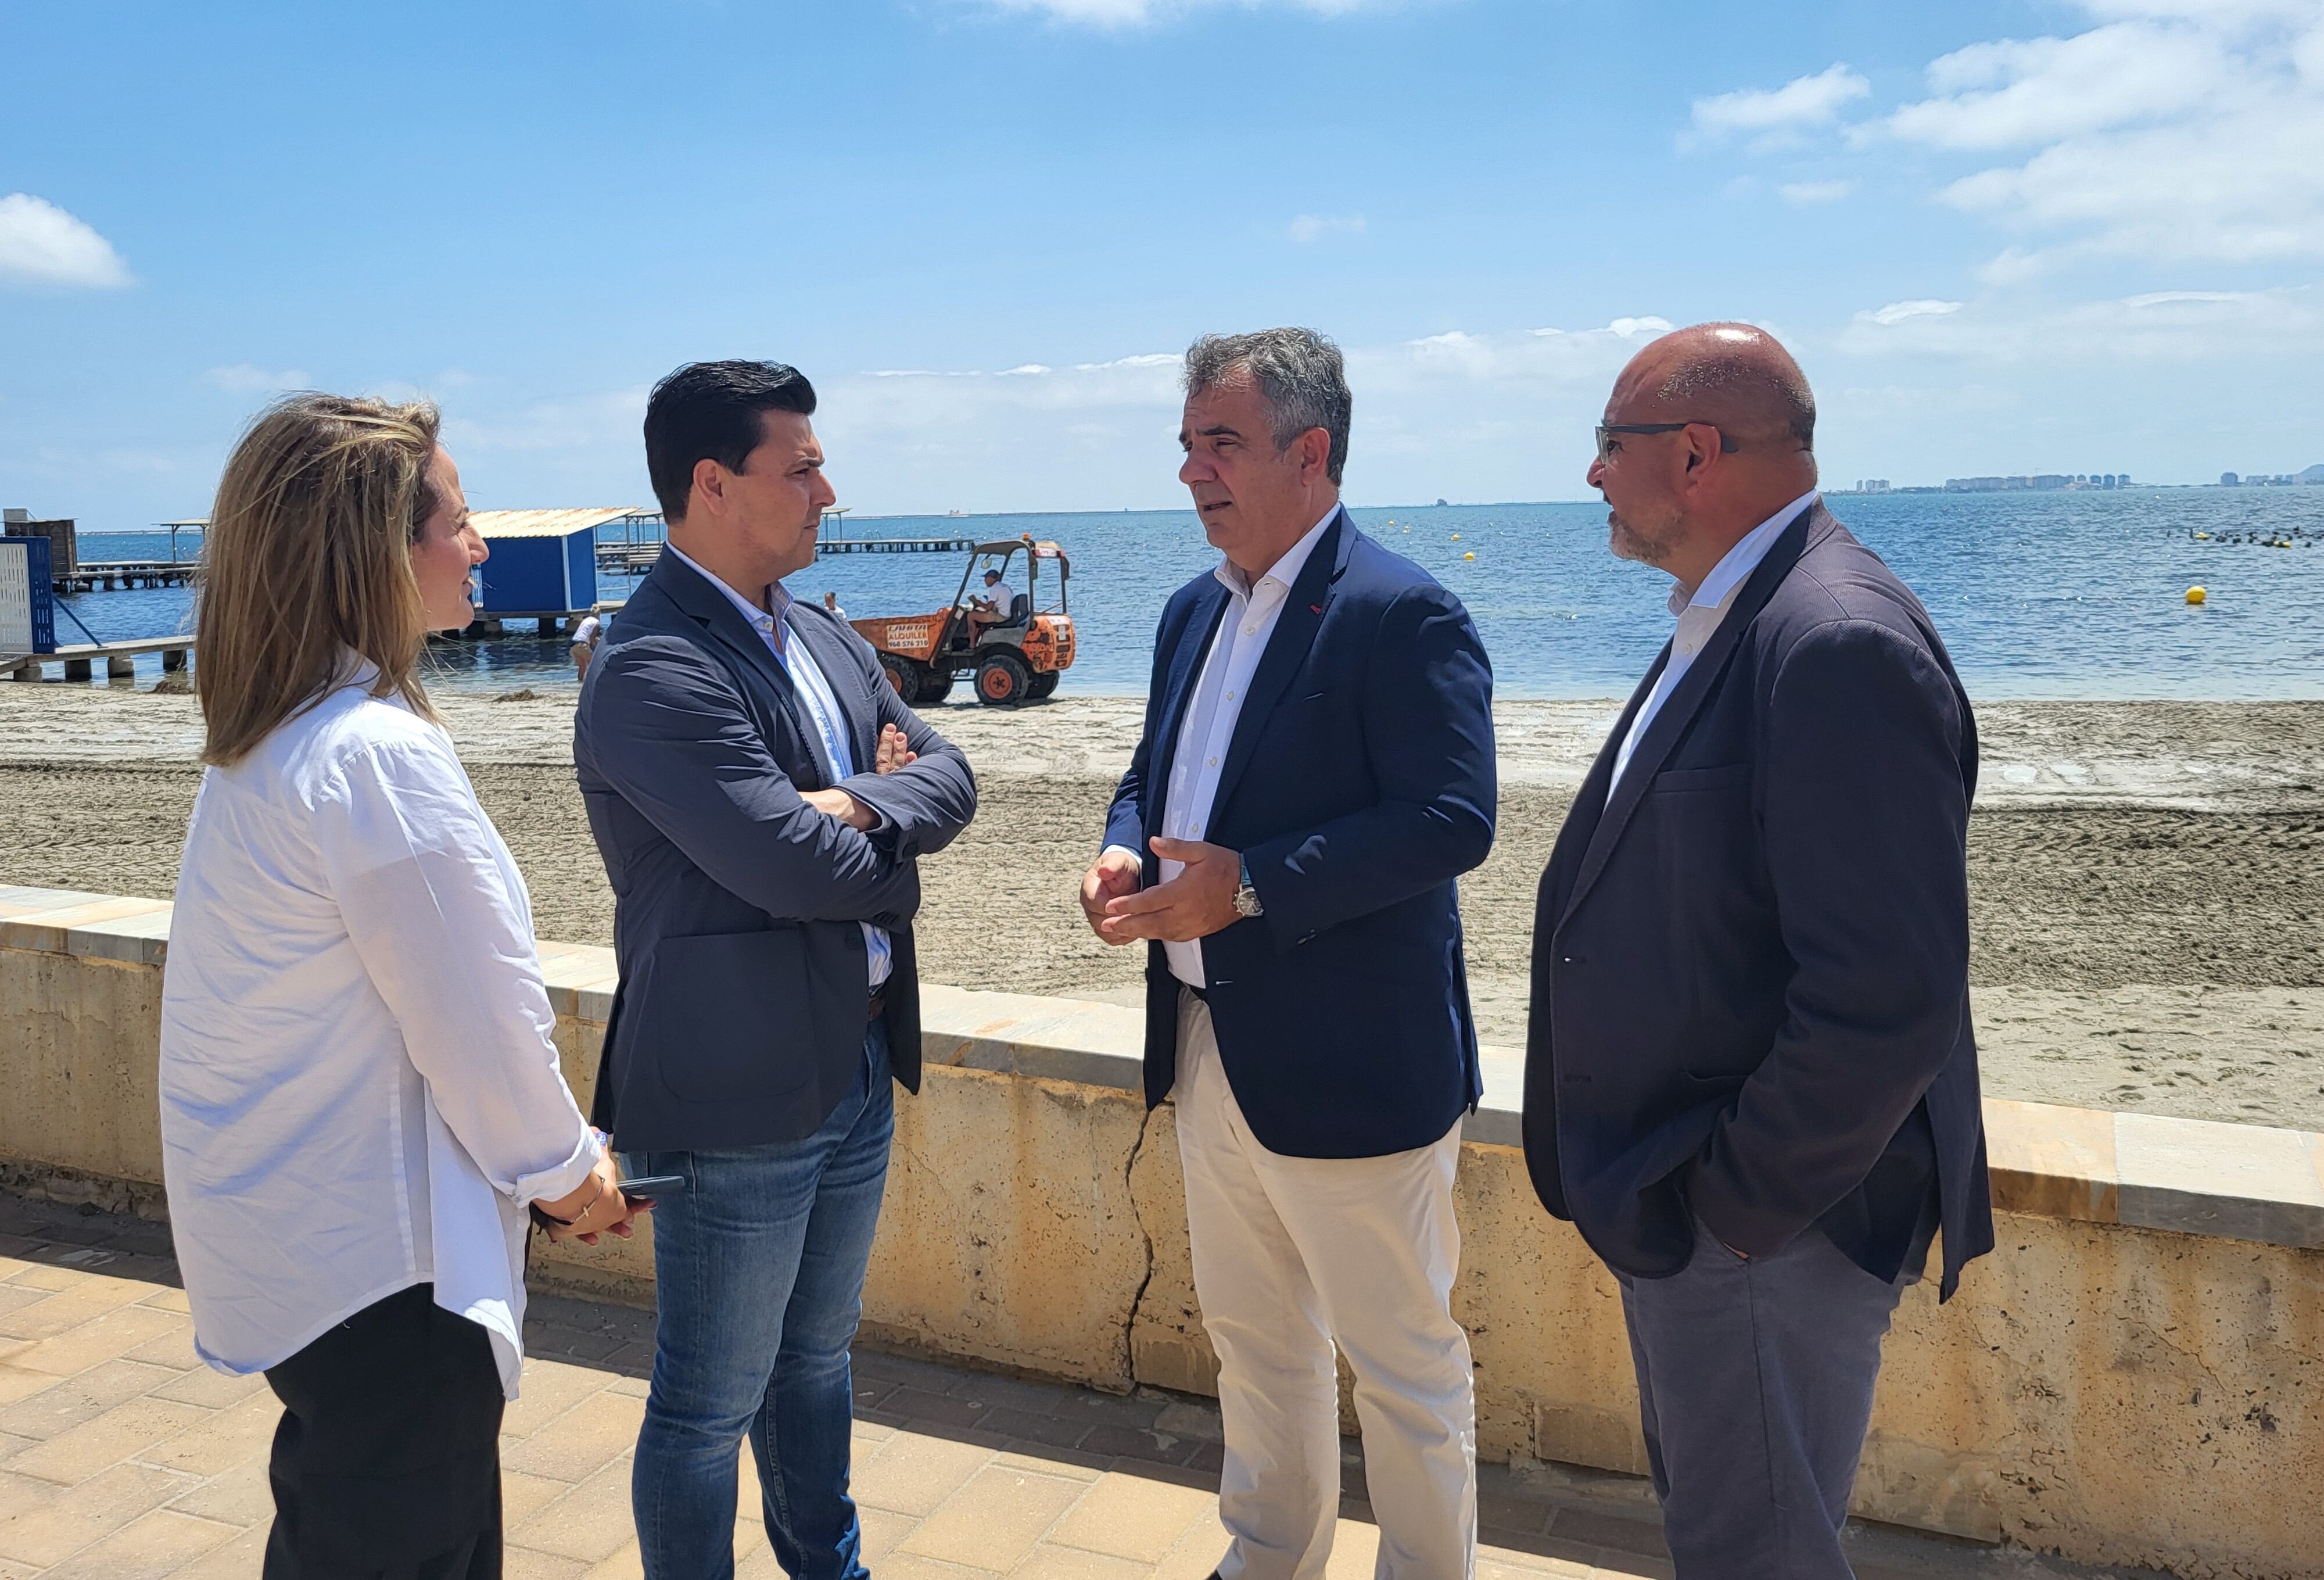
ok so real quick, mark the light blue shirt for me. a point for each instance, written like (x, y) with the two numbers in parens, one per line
(1699, 613)
(822, 707)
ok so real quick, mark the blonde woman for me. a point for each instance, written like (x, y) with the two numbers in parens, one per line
(359, 1093)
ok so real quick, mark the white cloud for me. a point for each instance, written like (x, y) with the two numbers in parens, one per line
(1800, 194)
(1802, 103)
(2178, 131)
(2007, 94)
(1896, 313)
(242, 379)
(2180, 326)
(41, 245)
(1126, 14)
(1308, 227)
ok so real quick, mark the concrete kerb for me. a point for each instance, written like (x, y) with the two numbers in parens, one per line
(2155, 1316)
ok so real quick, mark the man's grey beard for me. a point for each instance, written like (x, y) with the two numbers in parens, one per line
(1629, 543)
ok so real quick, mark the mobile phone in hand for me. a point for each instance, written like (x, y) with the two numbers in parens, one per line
(651, 1186)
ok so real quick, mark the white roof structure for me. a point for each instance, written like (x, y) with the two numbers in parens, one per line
(546, 524)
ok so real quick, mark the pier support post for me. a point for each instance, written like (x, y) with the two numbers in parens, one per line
(173, 660)
(77, 669)
(120, 667)
(25, 673)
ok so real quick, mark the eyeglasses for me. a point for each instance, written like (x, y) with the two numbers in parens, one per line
(1606, 431)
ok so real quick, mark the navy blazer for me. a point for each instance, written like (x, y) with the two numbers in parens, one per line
(1750, 968)
(1358, 786)
(740, 1014)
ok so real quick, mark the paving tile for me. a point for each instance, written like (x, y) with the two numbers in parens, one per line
(1522, 1565)
(102, 1338)
(547, 1391)
(625, 1565)
(12, 1445)
(574, 1446)
(882, 1528)
(590, 1522)
(1606, 1530)
(239, 1559)
(211, 1388)
(912, 1474)
(124, 1432)
(1129, 1517)
(173, 1349)
(1029, 1427)
(1054, 1563)
(1047, 1461)
(55, 1405)
(1515, 1516)
(1140, 1443)
(901, 1566)
(523, 1496)
(79, 1298)
(16, 1296)
(238, 1497)
(148, 1548)
(168, 1300)
(995, 1518)
(1196, 1556)
(229, 1436)
(527, 1564)
(49, 1530)
(936, 1410)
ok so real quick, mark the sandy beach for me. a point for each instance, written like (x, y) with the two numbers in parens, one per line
(2146, 884)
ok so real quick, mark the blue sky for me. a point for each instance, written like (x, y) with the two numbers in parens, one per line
(2001, 237)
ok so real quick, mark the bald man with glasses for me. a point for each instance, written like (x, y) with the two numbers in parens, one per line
(1750, 1079)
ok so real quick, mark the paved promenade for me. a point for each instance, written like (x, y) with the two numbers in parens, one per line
(123, 1458)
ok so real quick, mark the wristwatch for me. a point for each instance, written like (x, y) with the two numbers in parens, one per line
(1246, 899)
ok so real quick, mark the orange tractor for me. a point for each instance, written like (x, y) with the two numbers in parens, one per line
(1017, 657)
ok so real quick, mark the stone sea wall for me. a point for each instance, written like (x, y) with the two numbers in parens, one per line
(2135, 1376)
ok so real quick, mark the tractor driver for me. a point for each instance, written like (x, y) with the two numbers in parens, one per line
(991, 608)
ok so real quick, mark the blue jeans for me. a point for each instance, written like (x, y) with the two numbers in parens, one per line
(759, 1269)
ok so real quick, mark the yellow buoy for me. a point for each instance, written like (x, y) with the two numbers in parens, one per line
(2196, 594)
(1456, 537)
(2202, 537)
(1469, 556)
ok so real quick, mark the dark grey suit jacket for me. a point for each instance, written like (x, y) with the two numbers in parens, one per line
(737, 912)
(1751, 970)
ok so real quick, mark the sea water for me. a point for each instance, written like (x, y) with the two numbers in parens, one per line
(2066, 595)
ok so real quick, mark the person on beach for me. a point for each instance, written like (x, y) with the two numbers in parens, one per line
(1316, 770)
(1751, 1077)
(761, 799)
(583, 646)
(360, 1095)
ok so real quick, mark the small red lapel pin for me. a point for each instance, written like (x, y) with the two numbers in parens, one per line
(1318, 608)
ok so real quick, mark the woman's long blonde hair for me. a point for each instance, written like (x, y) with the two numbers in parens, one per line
(309, 557)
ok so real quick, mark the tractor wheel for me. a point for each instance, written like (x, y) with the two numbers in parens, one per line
(903, 675)
(1002, 679)
(1044, 684)
(936, 685)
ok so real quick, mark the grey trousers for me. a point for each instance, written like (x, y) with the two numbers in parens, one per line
(1754, 1384)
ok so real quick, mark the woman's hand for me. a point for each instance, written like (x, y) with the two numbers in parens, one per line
(595, 1208)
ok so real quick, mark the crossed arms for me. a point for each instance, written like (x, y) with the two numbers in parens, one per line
(668, 731)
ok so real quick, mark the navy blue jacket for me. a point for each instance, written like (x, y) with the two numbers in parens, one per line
(737, 906)
(1358, 786)
(1750, 969)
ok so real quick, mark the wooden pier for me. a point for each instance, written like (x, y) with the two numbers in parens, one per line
(636, 558)
(80, 658)
(99, 576)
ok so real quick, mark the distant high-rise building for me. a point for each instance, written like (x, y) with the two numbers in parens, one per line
(2228, 480)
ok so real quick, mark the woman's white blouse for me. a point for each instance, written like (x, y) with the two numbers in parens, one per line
(359, 1091)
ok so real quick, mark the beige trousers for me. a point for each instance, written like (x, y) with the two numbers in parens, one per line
(1292, 1254)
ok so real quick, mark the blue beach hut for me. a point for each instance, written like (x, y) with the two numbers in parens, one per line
(543, 563)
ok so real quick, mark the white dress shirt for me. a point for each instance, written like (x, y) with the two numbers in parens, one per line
(1252, 612)
(359, 1084)
(822, 706)
(1698, 615)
